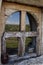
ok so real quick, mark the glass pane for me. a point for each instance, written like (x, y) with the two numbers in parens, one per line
(30, 44)
(31, 25)
(12, 45)
(27, 24)
(13, 22)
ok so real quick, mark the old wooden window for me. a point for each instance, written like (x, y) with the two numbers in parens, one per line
(21, 32)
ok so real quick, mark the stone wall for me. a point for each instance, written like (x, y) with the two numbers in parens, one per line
(38, 3)
(42, 33)
(36, 12)
(0, 29)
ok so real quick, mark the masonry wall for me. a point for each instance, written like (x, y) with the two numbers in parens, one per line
(39, 15)
(28, 2)
(42, 32)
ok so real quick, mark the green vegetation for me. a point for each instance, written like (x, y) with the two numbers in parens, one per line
(27, 28)
(13, 42)
(15, 28)
(11, 28)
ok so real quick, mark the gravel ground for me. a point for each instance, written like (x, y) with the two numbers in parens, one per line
(30, 61)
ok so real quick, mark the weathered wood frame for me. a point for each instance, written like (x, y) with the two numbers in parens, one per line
(34, 11)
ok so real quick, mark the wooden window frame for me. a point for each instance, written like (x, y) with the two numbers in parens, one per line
(23, 9)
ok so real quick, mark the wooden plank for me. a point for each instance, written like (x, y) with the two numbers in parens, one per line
(12, 34)
(20, 34)
(21, 45)
(23, 16)
(31, 34)
(3, 45)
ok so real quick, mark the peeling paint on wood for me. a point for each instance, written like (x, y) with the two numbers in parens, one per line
(20, 34)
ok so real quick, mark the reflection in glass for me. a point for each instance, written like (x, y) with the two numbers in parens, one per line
(13, 22)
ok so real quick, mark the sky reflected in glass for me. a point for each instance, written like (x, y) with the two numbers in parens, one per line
(14, 19)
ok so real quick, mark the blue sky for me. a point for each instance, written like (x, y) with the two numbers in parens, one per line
(14, 19)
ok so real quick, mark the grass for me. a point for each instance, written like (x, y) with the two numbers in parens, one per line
(13, 42)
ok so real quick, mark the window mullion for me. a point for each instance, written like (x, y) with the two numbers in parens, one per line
(21, 45)
(31, 34)
(23, 16)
